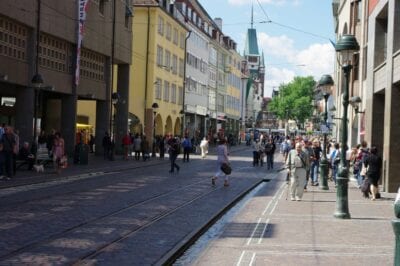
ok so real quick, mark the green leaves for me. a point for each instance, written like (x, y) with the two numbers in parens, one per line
(294, 100)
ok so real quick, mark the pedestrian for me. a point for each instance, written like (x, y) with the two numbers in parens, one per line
(145, 148)
(16, 150)
(58, 152)
(334, 160)
(204, 147)
(187, 148)
(270, 148)
(106, 143)
(256, 152)
(25, 154)
(162, 148)
(373, 163)
(9, 144)
(297, 165)
(50, 142)
(173, 152)
(137, 144)
(363, 152)
(222, 157)
(42, 140)
(126, 142)
(315, 156)
(91, 143)
(308, 151)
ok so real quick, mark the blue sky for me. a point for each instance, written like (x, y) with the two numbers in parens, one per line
(288, 53)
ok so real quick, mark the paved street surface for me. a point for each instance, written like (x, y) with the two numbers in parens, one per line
(136, 213)
(271, 230)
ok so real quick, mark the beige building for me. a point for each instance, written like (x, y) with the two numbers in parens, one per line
(158, 68)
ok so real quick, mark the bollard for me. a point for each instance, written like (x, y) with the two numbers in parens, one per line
(396, 229)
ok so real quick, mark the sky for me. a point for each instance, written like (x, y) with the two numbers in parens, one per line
(293, 34)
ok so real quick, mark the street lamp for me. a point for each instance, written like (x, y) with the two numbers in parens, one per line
(154, 106)
(354, 101)
(324, 85)
(182, 113)
(346, 46)
(114, 100)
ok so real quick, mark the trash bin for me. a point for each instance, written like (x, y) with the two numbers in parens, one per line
(81, 155)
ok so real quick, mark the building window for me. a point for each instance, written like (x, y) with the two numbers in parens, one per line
(157, 89)
(160, 54)
(13, 39)
(168, 32)
(182, 40)
(176, 37)
(173, 93)
(166, 91)
(181, 67)
(101, 6)
(174, 64)
(167, 60)
(160, 28)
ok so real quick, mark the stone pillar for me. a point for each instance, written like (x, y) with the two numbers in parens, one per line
(122, 107)
(68, 122)
(392, 166)
(24, 113)
(102, 124)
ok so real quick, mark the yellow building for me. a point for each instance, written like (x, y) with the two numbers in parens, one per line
(157, 70)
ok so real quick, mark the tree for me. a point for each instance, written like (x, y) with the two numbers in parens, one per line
(294, 100)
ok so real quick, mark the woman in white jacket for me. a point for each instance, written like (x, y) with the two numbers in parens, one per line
(222, 157)
(204, 147)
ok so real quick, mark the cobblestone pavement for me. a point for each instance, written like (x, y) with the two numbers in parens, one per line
(130, 213)
(271, 230)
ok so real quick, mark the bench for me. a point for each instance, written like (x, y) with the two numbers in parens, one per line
(42, 157)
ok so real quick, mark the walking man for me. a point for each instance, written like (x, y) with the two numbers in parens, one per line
(297, 164)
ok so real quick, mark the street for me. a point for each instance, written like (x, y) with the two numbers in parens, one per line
(131, 216)
(136, 213)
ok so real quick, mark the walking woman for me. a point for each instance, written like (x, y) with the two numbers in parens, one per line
(173, 151)
(222, 157)
(58, 152)
(374, 165)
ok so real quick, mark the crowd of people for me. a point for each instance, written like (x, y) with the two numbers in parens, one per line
(303, 156)
(13, 152)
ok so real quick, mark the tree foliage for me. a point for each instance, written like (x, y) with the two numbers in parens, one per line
(294, 100)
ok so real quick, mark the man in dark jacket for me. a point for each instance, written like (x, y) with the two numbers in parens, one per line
(8, 142)
(269, 151)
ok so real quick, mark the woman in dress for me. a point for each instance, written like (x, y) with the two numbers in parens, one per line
(374, 165)
(58, 151)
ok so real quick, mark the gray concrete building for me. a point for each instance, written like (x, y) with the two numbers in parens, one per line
(40, 37)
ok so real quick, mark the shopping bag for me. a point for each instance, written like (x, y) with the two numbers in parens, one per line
(226, 168)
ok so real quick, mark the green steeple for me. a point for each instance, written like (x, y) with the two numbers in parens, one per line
(251, 45)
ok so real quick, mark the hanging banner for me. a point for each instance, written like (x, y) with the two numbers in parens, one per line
(82, 11)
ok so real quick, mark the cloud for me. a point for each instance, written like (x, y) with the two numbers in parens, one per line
(284, 61)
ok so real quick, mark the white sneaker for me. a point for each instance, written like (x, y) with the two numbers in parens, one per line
(298, 199)
(292, 199)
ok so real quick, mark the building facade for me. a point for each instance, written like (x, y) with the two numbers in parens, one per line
(40, 38)
(158, 68)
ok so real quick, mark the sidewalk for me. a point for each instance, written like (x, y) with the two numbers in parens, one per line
(96, 165)
(271, 230)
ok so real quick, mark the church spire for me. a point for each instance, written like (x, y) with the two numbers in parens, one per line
(252, 18)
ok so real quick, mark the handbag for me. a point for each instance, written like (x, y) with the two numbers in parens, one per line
(226, 168)
(364, 170)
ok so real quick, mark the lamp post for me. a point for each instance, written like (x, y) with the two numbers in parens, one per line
(354, 101)
(37, 81)
(114, 100)
(182, 113)
(154, 106)
(324, 85)
(346, 46)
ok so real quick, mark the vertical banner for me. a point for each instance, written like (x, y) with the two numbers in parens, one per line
(82, 10)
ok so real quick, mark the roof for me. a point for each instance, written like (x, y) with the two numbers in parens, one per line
(251, 47)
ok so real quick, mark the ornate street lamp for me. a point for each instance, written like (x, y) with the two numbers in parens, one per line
(154, 106)
(324, 85)
(346, 46)
(205, 124)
